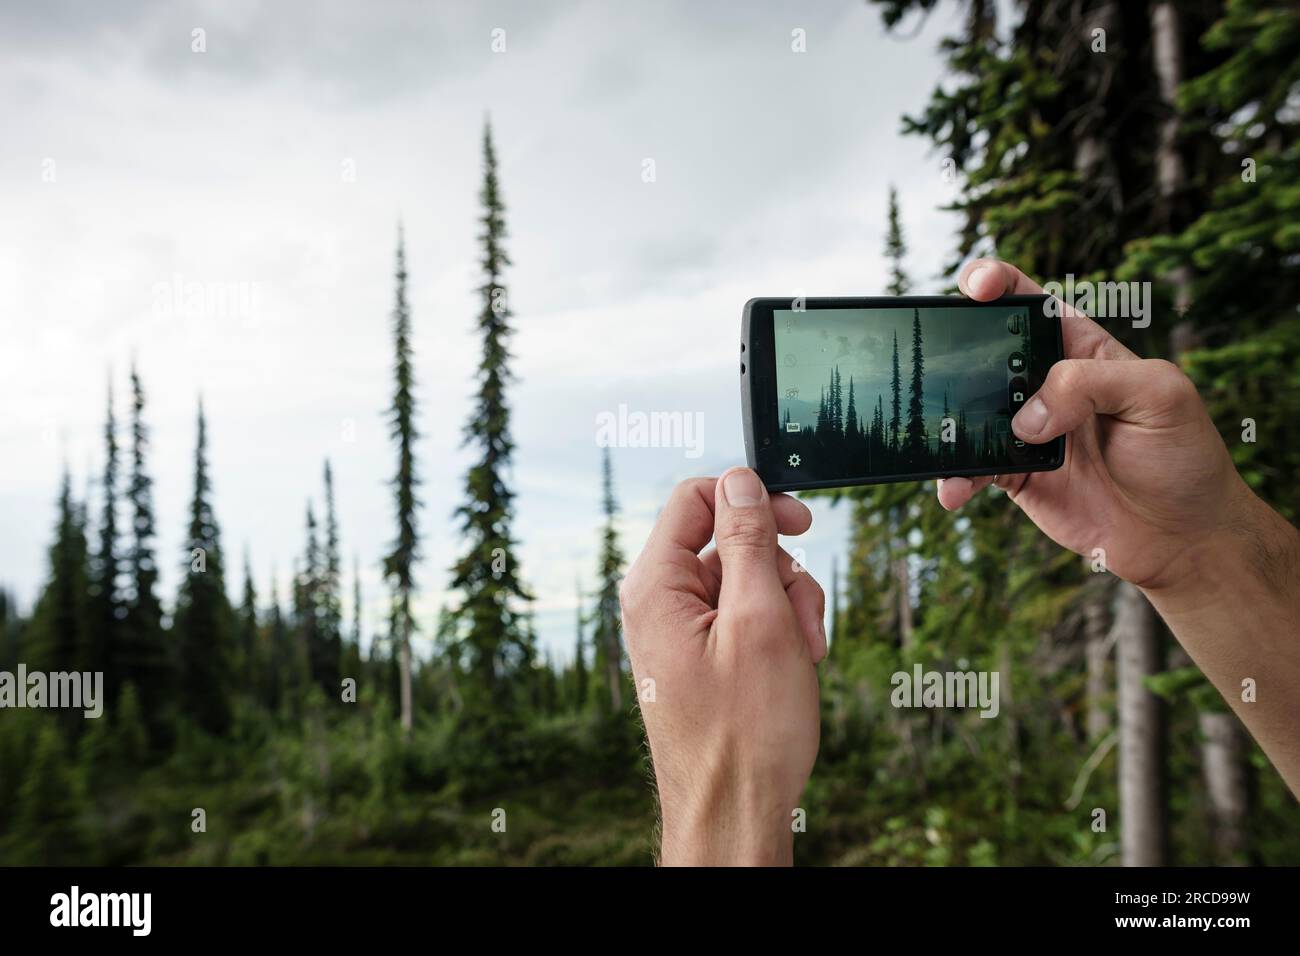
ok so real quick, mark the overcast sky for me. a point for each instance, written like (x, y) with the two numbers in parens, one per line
(276, 166)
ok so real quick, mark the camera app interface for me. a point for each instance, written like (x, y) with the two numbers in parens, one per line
(883, 392)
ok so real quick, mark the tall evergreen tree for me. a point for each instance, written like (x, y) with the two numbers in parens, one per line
(608, 616)
(851, 428)
(143, 657)
(580, 656)
(105, 592)
(59, 626)
(249, 662)
(896, 402)
(357, 636)
(307, 605)
(837, 403)
(945, 448)
(400, 561)
(895, 249)
(917, 441)
(204, 620)
(351, 658)
(330, 598)
(488, 574)
(280, 654)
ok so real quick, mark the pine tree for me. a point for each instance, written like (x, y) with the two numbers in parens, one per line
(250, 663)
(895, 249)
(837, 404)
(399, 563)
(105, 592)
(280, 654)
(57, 637)
(307, 605)
(917, 440)
(896, 403)
(143, 659)
(203, 615)
(852, 428)
(351, 659)
(330, 599)
(488, 574)
(580, 656)
(608, 615)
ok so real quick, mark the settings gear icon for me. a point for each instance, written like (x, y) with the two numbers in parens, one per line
(794, 461)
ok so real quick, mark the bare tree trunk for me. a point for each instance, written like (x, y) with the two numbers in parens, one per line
(1141, 731)
(1223, 754)
(404, 672)
(1097, 645)
(1171, 174)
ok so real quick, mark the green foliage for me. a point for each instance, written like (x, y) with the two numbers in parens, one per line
(609, 675)
(104, 592)
(141, 654)
(57, 638)
(204, 619)
(496, 640)
(47, 827)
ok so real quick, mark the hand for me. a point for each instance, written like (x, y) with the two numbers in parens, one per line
(730, 639)
(1146, 476)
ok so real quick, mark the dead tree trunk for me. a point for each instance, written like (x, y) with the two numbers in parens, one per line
(1141, 731)
(1223, 756)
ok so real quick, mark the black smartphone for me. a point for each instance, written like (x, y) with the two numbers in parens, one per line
(840, 392)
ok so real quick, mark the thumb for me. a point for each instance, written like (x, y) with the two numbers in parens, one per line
(1141, 391)
(745, 530)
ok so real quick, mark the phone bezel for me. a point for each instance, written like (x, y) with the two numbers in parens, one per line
(758, 382)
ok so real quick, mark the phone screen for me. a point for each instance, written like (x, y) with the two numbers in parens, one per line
(880, 393)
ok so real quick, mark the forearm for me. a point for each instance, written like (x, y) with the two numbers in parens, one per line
(1235, 609)
(723, 817)
(751, 837)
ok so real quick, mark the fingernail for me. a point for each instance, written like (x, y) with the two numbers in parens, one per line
(1031, 419)
(742, 489)
(974, 277)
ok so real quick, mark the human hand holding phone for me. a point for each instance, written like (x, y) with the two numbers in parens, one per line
(1146, 477)
(729, 639)
(1148, 480)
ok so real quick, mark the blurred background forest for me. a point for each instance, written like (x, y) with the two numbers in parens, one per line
(1147, 141)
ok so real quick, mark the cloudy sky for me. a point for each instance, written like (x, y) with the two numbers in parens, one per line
(270, 172)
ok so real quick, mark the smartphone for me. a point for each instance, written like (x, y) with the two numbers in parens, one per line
(839, 392)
